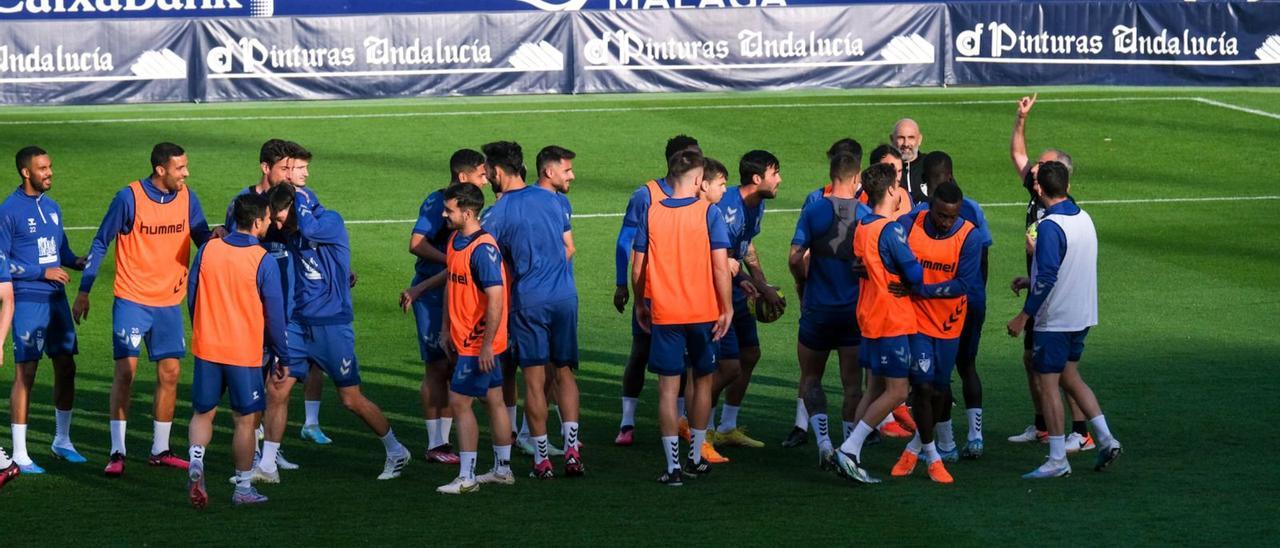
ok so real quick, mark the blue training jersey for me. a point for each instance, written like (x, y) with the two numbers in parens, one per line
(321, 251)
(637, 209)
(814, 196)
(119, 220)
(744, 225)
(486, 273)
(832, 284)
(432, 225)
(529, 225)
(32, 240)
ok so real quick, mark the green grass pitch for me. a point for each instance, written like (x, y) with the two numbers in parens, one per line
(1184, 362)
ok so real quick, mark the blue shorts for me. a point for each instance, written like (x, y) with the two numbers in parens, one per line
(742, 333)
(933, 360)
(210, 380)
(825, 330)
(428, 312)
(888, 357)
(971, 333)
(43, 329)
(469, 380)
(331, 347)
(547, 334)
(675, 348)
(160, 327)
(1054, 349)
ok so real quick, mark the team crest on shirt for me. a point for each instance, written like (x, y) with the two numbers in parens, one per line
(31, 225)
(54, 218)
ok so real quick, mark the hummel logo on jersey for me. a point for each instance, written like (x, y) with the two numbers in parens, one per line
(731, 215)
(25, 338)
(899, 234)
(346, 366)
(157, 230)
(493, 255)
(464, 369)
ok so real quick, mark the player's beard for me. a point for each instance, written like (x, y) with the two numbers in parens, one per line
(910, 154)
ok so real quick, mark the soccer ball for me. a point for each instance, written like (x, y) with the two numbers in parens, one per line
(762, 312)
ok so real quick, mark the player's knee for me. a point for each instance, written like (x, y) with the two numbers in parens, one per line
(351, 399)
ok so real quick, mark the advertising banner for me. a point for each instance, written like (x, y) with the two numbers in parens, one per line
(1116, 43)
(92, 62)
(817, 47)
(348, 57)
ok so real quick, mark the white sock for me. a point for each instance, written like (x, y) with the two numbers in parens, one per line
(20, 455)
(391, 444)
(433, 433)
(887, 419)
(196, 454)
(914, 446)
(160, 437)
(62, 433)
(570, 435)
(269, 451)
(511, 414)
(117, 437)
(244, 480)
(1057, 448)
(802, 415)
(671, 447)
(446, 424)
(502, 458)
(946, 438)
(853, 445)
(975, 423)
(695, 444)
(467, 470)
(848, 430)
(540, 449)
(629, 411)
(711, 419)
(1102, 433)
(312, 408)
(728, 418)
(821, 432)
(931, 453)
(680, 406)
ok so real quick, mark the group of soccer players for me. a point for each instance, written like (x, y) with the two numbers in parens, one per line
(889, 264)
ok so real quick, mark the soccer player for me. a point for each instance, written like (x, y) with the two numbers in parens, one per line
(937, 171)
(529, 226)
(476, 330)
(906, 138)
(234, 299)
(1062, 305)
(1079, 440)
(156, 220)
(428, 242)
(799, 434)
(739, 352)
(277, 167)
(949, 250)
(32, 238)
(320, 329)
(682, 281)
(898, 195)
(821, 262)
(884, 314)
(638, 209)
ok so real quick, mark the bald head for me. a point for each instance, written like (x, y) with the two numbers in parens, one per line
(906, 136)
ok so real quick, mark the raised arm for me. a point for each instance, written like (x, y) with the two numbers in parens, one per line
(1018, 142)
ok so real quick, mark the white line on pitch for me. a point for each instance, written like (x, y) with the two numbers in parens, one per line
(990, 205)
(1238, 108)
(592, 110)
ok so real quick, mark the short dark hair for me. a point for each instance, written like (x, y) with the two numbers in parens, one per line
(844, 166)
(1053, 178)
(937, 168)
(846, 146)
(280, 198)
(712, 167)
(878, 153)
(297, 151)
(162, 152)
(248, 208)
(756, 162)
(468, 197)
(876, 181)
(505, 154)
(463, 159)
(679, 143)
(683, 162)
(552, 154)
(25, 155)
(273, 151)
(947, 192)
